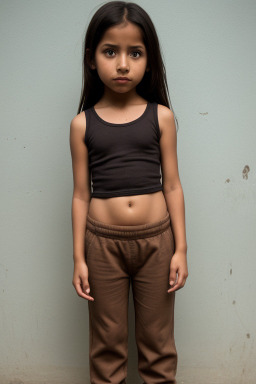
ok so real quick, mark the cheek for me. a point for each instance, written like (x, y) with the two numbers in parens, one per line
(103, 67)
(142, 66)
(141, 72)
(103, 74)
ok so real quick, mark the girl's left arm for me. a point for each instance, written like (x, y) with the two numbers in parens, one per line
(174, 197)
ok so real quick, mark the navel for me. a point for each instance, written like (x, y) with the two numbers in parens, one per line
(130, 203)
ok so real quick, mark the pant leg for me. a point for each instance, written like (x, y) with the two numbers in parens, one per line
(154, 309)
(108, 313)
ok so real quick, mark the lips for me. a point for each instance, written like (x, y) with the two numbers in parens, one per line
(122, 78)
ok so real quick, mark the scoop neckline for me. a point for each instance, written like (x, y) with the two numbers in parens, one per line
(120, 124)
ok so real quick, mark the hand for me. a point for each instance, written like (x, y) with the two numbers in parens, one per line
(80, 280)
(178, 271)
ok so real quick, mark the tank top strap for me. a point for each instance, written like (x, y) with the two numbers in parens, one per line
(155, 117)
(88, 117)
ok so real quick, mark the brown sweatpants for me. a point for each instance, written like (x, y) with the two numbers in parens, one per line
(115, 256)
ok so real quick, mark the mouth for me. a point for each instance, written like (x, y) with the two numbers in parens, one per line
(122, 78)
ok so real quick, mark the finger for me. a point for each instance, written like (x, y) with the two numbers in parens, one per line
(81, 293)
(173, 276)
(86, 286)
(179, 284)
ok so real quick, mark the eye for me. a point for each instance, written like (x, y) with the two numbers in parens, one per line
(108, 50)
(139, 52)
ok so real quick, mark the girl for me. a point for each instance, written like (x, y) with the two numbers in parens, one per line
(128, 227)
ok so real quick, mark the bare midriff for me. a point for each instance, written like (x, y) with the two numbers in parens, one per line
(129, 210)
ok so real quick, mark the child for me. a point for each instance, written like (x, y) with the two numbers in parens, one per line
(128, 227)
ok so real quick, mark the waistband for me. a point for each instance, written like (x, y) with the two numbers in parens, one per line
(128, 231)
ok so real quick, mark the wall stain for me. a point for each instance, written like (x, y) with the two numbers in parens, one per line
(234, 302)
(203, 113)
(227, 181)
(248, 335)
(230, 272)
(245, 172)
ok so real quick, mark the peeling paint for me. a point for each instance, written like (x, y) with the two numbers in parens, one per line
(245, 172)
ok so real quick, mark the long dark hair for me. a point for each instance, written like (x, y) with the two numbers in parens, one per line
(153, 86)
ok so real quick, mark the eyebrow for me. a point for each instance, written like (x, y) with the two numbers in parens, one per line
(115, 46)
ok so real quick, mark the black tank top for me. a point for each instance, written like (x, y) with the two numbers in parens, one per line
(124, 159)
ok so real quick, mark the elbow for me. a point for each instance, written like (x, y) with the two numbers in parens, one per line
(85, 196)
(168, 188)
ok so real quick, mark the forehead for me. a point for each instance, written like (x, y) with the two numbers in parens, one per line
(123, 34)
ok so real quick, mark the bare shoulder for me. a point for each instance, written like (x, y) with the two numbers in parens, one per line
(77, 133)
(78, 124)
(165, 118)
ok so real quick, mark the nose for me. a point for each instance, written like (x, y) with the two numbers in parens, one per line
(123, 64)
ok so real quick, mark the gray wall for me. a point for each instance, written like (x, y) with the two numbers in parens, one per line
(209, 51)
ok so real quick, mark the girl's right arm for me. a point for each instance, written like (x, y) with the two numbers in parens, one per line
(80, 202)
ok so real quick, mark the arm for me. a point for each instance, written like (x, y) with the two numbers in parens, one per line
(80, 201)
(174, 197)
